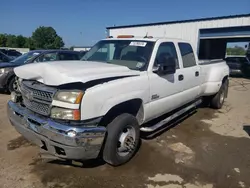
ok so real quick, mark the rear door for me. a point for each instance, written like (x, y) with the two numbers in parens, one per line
(191, 72)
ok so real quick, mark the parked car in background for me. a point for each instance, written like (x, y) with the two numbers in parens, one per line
(238, 65)
(4, 58)
(11, 53)
(55, 55)
(7, 75)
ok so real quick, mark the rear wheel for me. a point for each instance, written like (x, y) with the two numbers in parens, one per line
(122, 141)
(218, 100)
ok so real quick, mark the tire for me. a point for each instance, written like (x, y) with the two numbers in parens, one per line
(11, 85)
(123, 128)
(218, 100)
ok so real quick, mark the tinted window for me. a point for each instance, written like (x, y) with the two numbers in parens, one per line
(68, 56)
(51, 56)
(187, 55)
(14, 53)
(2, 58)
(26, 57)
(167, 49)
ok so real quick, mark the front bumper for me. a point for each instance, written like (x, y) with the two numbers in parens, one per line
(53, 136)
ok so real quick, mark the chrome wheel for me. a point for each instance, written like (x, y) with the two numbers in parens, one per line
(126, 143)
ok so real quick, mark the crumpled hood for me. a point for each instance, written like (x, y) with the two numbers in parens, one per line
(64, 72)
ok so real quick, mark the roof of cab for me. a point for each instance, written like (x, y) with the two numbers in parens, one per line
(153, 39)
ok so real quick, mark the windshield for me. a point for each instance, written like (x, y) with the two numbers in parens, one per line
(133, 54)
(25, 57)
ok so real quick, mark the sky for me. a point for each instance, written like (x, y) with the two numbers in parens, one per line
(84, 22)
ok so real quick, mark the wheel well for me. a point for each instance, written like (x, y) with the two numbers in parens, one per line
(133, 107)
(9, 79)
(224, 79)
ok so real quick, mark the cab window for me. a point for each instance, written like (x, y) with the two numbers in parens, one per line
(187, 54)
(167, 49)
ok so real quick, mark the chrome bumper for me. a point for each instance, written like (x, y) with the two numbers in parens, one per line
(61, 140)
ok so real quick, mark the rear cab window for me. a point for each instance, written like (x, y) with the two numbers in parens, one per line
(187, 54)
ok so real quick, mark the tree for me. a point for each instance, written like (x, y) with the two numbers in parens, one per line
(3, 40)
(20, 41)
(11, 41)
(46, 38)
(237, 50)
(29, 43)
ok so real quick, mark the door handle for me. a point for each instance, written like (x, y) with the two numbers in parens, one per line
(197, 73)
(181, 77)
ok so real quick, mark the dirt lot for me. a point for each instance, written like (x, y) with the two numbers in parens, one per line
(208, 149)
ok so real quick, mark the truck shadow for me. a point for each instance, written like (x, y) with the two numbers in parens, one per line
(79, 164)
(246, 128)
(3, 92)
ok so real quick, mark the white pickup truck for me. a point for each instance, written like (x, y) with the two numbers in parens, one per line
(98, 106)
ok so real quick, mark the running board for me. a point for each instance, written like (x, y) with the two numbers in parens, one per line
(173, 116)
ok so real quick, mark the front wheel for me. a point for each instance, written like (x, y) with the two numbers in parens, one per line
(122, 141)
(12, 85)
(218, 100)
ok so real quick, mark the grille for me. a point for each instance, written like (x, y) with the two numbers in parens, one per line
(35, 99)
(39, 94)
(38, 107)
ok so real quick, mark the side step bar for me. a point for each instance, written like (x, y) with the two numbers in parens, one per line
(171, 117)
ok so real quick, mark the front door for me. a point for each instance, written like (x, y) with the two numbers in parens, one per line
(165, 90)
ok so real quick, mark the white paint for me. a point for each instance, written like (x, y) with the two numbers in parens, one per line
(183, 154)
(237, 170)
(242, 184)
(174, 181)
(99, 99)
(166, 178)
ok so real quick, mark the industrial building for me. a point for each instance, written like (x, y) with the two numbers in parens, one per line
(209, 36)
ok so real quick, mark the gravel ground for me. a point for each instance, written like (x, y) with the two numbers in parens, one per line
(207, 149)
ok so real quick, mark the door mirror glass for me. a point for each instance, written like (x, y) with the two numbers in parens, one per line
(165, 64)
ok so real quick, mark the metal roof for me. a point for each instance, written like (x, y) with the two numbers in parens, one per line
(181, 21)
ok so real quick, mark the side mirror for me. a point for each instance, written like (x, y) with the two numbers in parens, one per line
(165, 65)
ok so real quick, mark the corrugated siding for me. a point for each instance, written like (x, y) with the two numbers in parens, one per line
(187, 31)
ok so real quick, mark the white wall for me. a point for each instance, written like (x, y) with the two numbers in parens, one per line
(187, 31)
